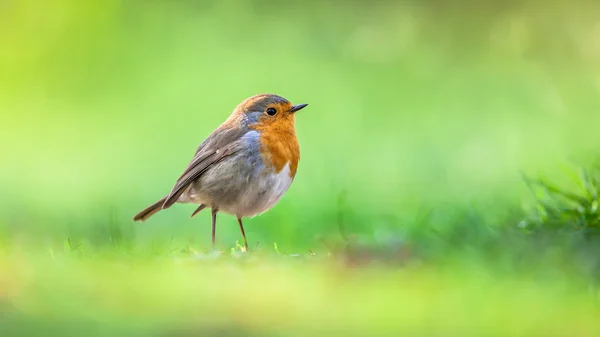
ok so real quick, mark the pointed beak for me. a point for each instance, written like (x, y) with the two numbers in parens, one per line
(297, 107)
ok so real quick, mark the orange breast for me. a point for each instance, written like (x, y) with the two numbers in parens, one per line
(279, 144)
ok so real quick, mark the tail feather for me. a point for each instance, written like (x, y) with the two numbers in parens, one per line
(150, 210)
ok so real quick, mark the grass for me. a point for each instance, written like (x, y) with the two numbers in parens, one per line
(536, 277)
(308, 297)
(430, 197)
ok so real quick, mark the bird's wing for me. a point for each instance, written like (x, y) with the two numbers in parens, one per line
(218, 146)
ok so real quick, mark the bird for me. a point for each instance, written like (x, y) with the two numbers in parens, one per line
(244, 167)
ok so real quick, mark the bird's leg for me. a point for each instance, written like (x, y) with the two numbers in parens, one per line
(214, 225)
(201, 207)
(243, 234)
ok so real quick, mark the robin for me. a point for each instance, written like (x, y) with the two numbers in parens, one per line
(244, 167)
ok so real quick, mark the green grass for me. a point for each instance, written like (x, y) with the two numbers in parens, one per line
(190, 297)
(410, 213)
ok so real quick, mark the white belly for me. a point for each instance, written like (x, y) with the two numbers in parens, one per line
(241, 194)
(262, 194)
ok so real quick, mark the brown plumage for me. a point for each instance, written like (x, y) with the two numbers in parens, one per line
(244, 167)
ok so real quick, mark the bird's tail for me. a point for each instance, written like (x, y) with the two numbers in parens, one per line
(150, 210)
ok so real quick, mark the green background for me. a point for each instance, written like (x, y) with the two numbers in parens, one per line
(412, 104)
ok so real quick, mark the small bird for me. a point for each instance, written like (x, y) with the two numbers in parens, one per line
(244, 167)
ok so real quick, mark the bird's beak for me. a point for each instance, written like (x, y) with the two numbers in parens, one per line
(297, 107)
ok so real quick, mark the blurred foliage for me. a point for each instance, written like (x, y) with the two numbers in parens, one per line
(565, 209)
(192, 297)
(411, 102)
(408, 215)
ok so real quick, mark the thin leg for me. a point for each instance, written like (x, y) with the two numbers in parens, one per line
(201, 207)
(214, 225)
(243, 234)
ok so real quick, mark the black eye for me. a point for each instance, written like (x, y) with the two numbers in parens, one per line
(271, 111)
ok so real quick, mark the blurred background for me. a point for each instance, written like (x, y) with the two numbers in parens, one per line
(423, 117)
(104, 102)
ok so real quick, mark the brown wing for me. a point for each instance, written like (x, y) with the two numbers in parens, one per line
(218, 146)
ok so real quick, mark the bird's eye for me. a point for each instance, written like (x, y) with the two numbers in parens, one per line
(271, 111)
